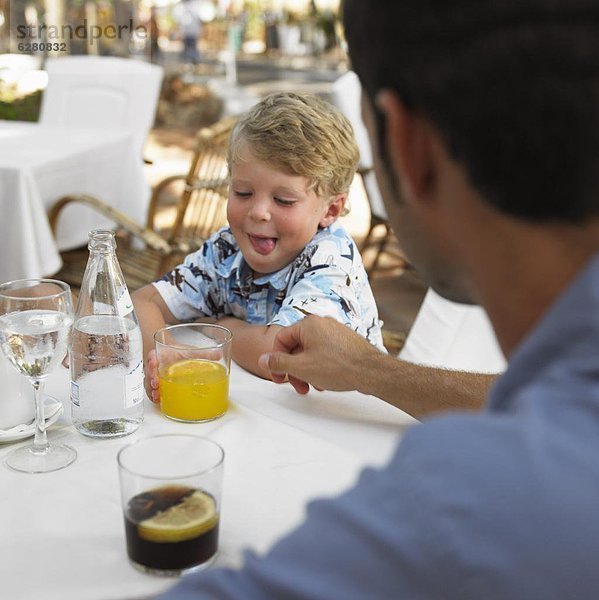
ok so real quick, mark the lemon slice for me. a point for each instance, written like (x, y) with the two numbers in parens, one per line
(194, 368)
(193, 516)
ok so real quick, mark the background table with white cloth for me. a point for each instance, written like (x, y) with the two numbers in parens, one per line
(453, 336)
(63, 534)
(38, 165)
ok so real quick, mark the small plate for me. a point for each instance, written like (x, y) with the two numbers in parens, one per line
(52, 409)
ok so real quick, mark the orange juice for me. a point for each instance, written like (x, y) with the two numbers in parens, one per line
(194, 390)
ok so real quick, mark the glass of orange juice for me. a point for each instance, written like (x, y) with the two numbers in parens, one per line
(194, 363)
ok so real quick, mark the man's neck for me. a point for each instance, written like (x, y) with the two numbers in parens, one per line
(527, 271)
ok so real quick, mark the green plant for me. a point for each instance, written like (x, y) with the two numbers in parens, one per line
(14, 107)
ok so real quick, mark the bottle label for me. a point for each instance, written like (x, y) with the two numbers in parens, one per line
(124, 303)
(75, 393)
(134, 386)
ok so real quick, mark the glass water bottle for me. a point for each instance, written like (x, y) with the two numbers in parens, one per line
(106, 355)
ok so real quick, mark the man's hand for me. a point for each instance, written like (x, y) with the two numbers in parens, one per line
(321, 352)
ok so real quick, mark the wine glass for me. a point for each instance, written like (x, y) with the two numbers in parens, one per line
(35, 323)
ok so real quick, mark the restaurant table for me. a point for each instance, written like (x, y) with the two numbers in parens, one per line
(62, 533)
(38, 165)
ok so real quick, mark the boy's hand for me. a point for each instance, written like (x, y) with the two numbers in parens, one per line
(151, 377)
(171, 356)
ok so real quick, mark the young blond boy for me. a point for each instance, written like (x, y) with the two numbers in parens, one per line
(284, 255)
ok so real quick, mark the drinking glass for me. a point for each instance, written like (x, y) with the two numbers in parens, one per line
(171, 493)
(194, 362)
(35, 322)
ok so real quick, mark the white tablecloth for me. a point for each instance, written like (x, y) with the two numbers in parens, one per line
(62, 532)
(40, 164)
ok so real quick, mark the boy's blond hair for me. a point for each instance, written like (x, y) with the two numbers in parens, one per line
(300, 135)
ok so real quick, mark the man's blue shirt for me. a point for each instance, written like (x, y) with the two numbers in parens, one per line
(502, 504)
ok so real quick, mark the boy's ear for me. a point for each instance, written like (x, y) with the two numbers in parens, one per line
(334, 210)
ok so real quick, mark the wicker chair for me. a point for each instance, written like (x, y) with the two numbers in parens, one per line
(199, 210)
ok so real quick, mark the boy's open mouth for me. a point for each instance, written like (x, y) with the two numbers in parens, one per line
(263, 245)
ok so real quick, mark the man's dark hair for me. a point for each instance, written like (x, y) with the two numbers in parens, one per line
(512, 85)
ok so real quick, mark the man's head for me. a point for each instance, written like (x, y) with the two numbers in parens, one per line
(291, 161)
(510, 89)
(512, 86)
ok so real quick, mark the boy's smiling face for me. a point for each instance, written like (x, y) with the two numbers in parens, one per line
(273, 215)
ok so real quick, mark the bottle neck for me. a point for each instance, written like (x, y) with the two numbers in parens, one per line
(101, 241)
(103, 289)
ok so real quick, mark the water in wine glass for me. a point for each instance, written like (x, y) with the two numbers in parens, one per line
(35, 341)
(36, 316)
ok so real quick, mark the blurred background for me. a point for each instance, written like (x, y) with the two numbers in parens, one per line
(219, 57)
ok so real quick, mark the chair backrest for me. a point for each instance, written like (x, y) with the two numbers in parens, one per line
(345, 94)
(102, 92)
(201, 207)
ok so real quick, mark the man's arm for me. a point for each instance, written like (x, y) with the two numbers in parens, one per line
(250, 342)
(327, 355)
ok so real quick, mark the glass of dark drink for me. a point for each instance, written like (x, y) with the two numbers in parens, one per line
(171, 493)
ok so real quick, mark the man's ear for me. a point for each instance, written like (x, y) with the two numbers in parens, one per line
(334, 210)
(408, 144)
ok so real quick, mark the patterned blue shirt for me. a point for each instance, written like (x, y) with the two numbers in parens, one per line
(327, 279)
